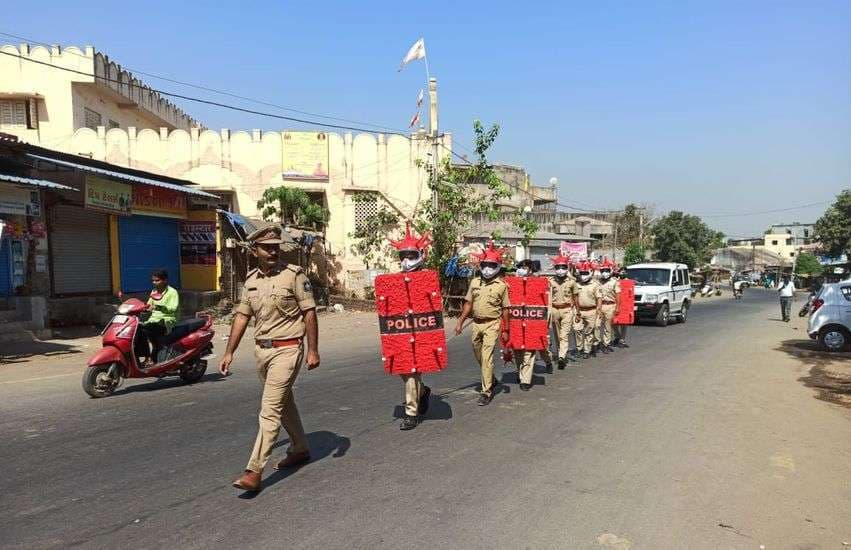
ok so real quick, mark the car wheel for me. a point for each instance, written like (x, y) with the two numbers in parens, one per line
(833, 338)
(684, 312)
(663, 316)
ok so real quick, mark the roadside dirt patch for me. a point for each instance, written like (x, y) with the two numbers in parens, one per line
(830, 373)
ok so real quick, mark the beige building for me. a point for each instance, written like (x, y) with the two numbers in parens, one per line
(781, 244)
(114, 117)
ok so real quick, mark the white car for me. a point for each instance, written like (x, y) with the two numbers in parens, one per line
(830, 316)
(662, 290)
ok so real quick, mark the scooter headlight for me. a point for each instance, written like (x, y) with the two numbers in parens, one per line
(124, 309)
(126, 332)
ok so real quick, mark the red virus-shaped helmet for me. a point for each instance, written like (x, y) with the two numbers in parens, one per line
(490, 254)
(560, 260)
(586, 267)
(411, 241)
(607, 264)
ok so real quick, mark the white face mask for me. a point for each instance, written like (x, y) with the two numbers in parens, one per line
(585, 278)
(409, 264)
(522, 271)
(490, 272)
(605, 274)
(561, 272)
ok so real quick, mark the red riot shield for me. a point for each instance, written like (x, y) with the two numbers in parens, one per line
(625, 314)
(528, 325)
(410, 321)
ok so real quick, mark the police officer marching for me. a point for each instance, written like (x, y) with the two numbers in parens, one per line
(563, 312)
(588, 300)
(411, 258)
(524, 360)
(487, 302)
(610, 289)
(280, 299)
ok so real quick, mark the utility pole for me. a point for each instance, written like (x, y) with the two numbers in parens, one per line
(433, 133)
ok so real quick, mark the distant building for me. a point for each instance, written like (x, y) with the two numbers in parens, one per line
(801, 233)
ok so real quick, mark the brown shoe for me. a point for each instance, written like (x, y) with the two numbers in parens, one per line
(249, 481)
(293, 459)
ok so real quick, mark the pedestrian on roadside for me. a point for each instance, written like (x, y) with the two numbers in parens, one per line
(487, 302)
(280, 299)
(563, 312)
(589, 300)
(412, 253)
(786, 288)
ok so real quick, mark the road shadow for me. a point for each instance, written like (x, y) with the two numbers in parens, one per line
(322, 445)
(158, 384)
(829, 373)
(438, 409)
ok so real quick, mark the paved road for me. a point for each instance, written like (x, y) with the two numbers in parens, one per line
(699, 436)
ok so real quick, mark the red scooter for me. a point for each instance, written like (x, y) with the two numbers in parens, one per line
(181, 352)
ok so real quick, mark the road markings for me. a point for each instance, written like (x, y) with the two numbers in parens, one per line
(40, 378)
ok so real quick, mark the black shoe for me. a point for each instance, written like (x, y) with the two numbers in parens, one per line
(408, 423)
(525, 387)
(484, 399)
(422, 406)
(604, 349)
(610, 349)
(561, 364)
(623, 345)
(549, 368)
(584, 355)
(592, 354)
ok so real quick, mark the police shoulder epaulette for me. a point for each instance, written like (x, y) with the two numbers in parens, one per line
(295, 268)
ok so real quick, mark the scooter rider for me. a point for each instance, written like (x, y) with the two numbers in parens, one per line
(163, 303)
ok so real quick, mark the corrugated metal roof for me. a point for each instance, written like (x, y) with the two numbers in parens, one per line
(37, 183)
(126, 177)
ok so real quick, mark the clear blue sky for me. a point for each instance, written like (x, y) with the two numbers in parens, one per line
(712, 108)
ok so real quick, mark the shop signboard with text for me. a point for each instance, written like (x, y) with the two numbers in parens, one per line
(108, 196)
(198, 242)
(158, 201)
(23, 202)
(575, 251)
(305, 156)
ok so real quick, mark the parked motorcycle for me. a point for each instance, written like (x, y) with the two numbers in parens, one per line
(181, 352)
(808, 305)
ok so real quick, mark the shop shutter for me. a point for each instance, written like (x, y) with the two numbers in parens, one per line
(79, 243)
(5, 272)
(148, 243)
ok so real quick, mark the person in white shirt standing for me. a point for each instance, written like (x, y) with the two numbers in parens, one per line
(786, 288)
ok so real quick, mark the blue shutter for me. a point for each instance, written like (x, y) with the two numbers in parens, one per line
(5, 269)
(148, 243)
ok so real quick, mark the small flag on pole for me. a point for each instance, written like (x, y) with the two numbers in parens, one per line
(420, 99)
(414, 120)
(417, 51)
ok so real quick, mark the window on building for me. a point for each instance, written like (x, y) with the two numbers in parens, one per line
(112, 124)
(791, 254)
(93, 119)
(806, 232)
(788, 241)
(13, 113)
(774, 243)
(364, 209)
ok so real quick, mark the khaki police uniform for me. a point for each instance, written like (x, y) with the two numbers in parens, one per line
(489, 298)
(610, 291)
(563, 313)
(585, 296)
(277, 300)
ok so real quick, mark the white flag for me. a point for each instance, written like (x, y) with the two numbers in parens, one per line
(414, 120)
(417, 51)
(420, 99)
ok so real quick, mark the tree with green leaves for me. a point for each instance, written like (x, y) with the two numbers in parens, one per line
(808, 264)
(628, 225)
(634, 253)
(834, 227)
(684, 238)
(456, 201)
(290, 205)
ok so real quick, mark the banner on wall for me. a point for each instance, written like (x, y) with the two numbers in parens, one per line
(575, 251)
(108, 196)
(158, 201)
(198, 243)
(305, 155)
(23, 202)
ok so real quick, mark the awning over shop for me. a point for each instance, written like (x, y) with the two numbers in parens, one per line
(124, 176)
(35, 183)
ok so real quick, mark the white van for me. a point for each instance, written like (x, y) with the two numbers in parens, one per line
(662, 291)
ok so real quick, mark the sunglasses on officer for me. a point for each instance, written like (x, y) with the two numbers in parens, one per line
(409, 255)
(485, 265)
